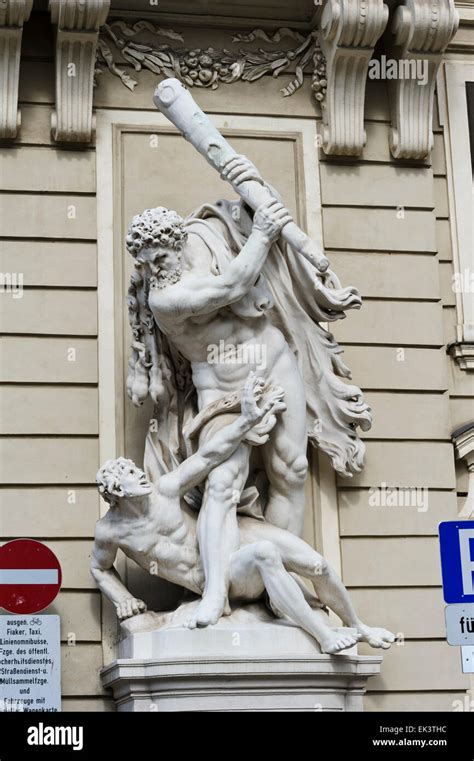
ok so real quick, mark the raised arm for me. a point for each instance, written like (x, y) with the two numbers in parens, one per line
(104, 551)
(203, 294)
(224, 443)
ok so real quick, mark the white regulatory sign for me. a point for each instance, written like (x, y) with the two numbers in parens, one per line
(30, 663)
(467, 658)
(460, 624)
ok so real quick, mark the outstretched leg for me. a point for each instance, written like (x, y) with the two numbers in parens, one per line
(299, 557)
(261, 563)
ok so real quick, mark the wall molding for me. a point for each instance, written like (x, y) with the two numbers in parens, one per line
(13, 14)
(336, 53)
(210, 21)
(463, 40)
(454, 120)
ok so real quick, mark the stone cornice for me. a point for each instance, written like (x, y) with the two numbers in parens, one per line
(349, 30)
(465, 10)
(13, 14)
(77, 30)
(337, 52)
(209, 21)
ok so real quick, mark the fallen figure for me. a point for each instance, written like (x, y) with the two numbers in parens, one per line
(153, 525)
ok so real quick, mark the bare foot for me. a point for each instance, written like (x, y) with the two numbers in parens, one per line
(375, 636)
(209, 611)
(334, 642)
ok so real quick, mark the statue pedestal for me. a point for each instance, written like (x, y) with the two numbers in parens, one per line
(247, 662)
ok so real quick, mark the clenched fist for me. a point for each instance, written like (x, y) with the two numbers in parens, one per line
(270, 218)
(239, 169)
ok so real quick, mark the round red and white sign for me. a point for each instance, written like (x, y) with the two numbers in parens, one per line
(30, 576)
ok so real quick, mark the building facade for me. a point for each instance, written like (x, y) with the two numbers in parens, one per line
(373, 160)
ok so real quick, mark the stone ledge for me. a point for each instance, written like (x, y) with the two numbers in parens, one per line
(321, 683)
(241, 664)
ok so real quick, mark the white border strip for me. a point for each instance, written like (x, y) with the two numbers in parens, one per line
(29, 576)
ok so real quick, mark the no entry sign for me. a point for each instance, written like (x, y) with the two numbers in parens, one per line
(30, 576)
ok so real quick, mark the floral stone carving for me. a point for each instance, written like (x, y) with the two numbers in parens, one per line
(208, 67)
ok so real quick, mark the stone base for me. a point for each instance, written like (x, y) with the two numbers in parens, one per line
(249, 661)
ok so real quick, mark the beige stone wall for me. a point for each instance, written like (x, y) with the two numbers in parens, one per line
(49, 398)
(395, 245)
(402, 264)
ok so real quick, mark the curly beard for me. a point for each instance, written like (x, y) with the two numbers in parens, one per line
(163, 279)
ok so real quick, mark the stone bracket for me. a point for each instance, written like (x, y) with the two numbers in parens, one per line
(78, 23)
(420, 32)
(463, 441)
(13, 14)
(349, 31)
(463, 354)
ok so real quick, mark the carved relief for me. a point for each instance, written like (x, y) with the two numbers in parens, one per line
(13, 14)
(208, 67)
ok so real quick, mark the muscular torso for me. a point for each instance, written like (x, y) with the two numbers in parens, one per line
(168, 547)
(244, 327)
(168, 551)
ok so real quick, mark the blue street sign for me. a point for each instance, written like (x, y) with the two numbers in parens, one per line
(456, 539)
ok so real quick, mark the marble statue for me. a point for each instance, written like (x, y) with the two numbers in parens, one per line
(153, 525)
(196, 310)
(228, 305)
